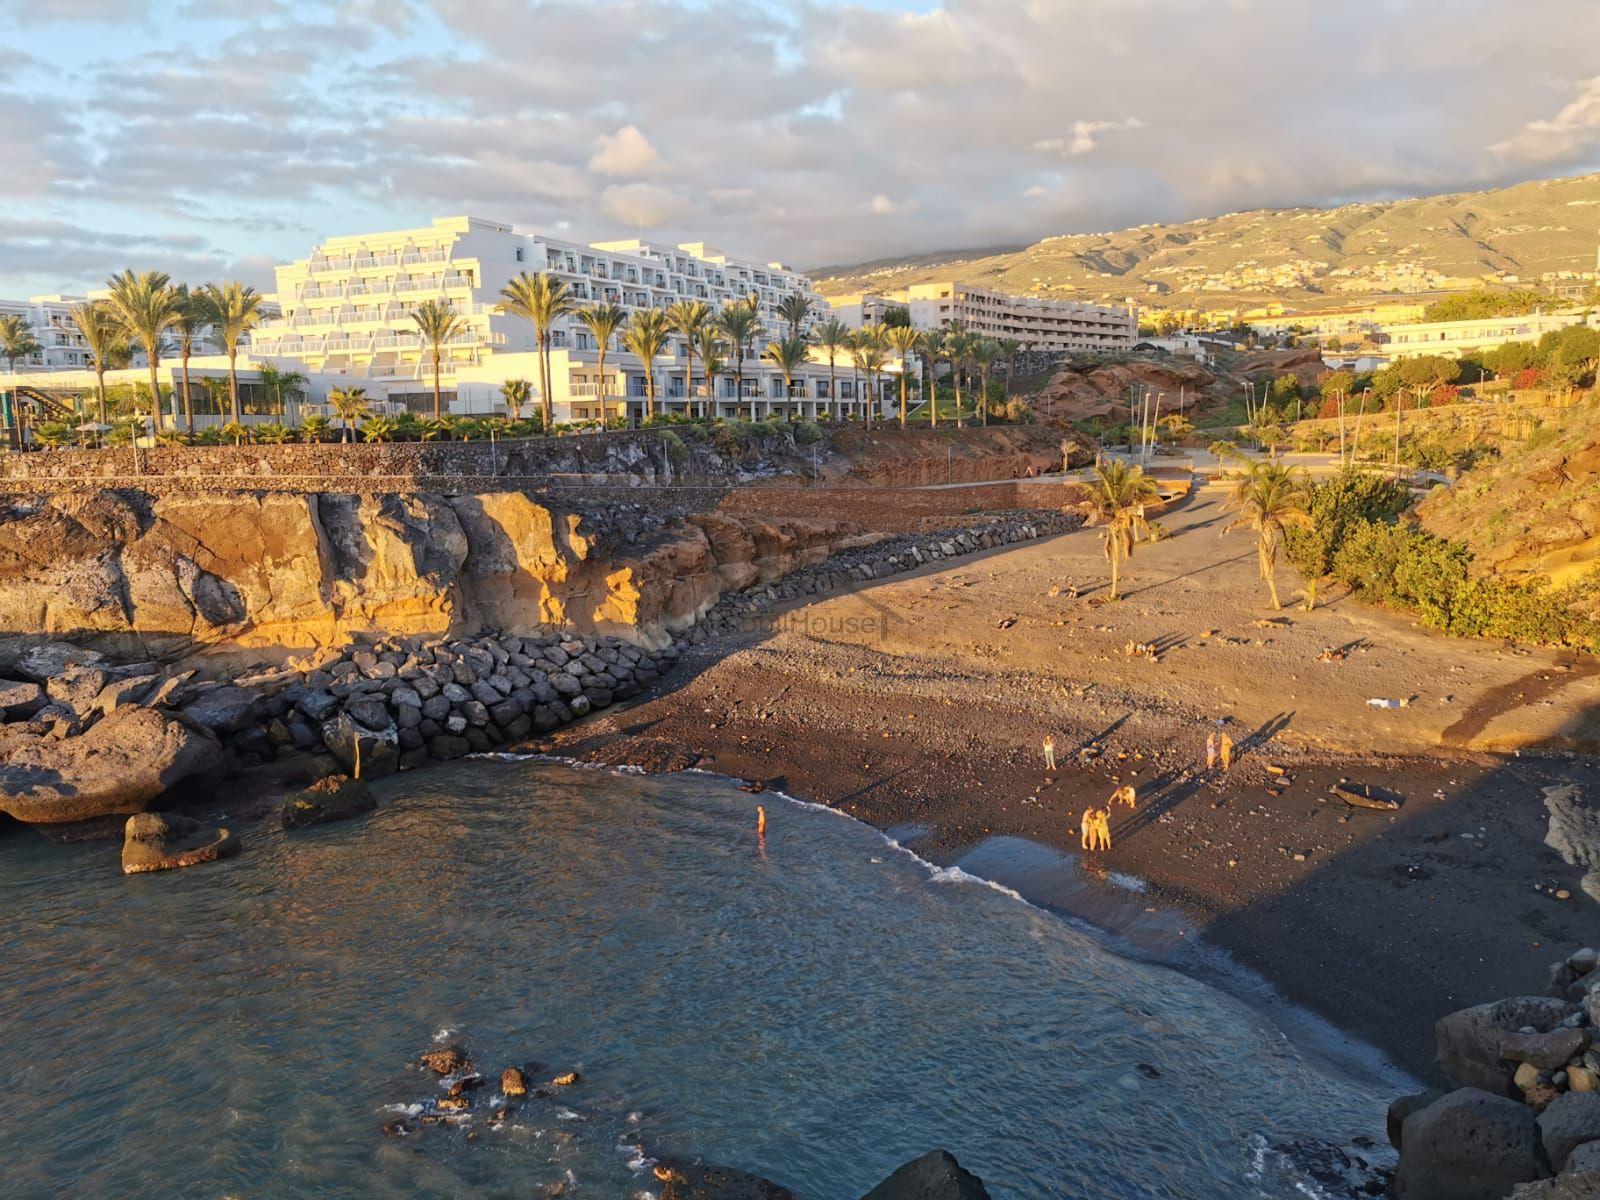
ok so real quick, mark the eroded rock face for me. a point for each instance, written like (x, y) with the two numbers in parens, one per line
(334, 798)
(167, 842)
(702, 1181)
(303, 571)
(116, 767)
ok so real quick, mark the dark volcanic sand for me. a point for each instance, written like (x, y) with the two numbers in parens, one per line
(1391, 919)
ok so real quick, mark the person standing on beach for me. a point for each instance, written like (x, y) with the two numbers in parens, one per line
(1211, 750)
(1227, 753)
(1049, 752)
(1088, 829)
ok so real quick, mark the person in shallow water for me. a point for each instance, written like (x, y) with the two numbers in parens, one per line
(761, 822)
(1049, 753)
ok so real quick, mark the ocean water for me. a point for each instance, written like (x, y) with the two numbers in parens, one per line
(818, 1008)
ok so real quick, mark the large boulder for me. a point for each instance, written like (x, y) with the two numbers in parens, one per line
(118, 767)
(935, 1176)
(1468, 1042)
(685, 1180)
(49, 659)
(167, 841)
(334, 798)
(1568, 1122)
(226, 709)
(20, 698)
(365, 753)
(1469, 1145)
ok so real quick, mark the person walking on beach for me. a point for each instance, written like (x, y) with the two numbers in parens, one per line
(1049, 752)
(1211, 750)
(1227, 753)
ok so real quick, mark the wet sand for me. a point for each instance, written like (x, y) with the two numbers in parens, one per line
(932, 721)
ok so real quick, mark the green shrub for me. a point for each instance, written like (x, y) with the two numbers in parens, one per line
(1334, 505)
(807, 433)
(677, 452)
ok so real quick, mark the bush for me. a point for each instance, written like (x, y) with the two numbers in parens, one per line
(1349, 498)
(807, 433)
(1413, 569)
(677, 452)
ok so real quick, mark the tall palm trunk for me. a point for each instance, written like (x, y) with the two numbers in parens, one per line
(983, 395)
(904, 410)
(233, 384)
(933, 392)
(1264, 551)
(545, 409)
(600, 389)
(961, 422)
(833, 385)
(100, 388)
(155, 384)
(188, 410)
(437, 394)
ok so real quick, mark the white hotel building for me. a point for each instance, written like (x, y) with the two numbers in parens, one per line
(1038, 323)
(347, 318)
(50, 318)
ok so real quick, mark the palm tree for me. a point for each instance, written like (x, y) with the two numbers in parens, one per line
(1270, 498)
(904, 340)
(1009, 349)
(931, 347)
(516, 392)
(741, 324)
(685, 318)
(191, 323)
(103, 337)
(794, 309)
(788, 355)
(351, 405)
(984, 354)
(832, 336)
(541, 300)
(869, 357)
(277, 382)
(645, 338)
(438, 322)
(959, 345)
(711, 347)
(603, 321)
(146, 306)
(233, 309)
(1117, 496)
(17, 340)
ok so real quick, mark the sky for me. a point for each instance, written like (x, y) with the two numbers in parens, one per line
(213, 138)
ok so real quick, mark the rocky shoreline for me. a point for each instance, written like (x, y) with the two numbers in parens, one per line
(1524, 1119)
(86, 741)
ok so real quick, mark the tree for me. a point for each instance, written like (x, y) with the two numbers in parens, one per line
(1009, 349)
(711, 347)
(958, 347)
(794, 309)
(1269, 499)
(1118, 493)
(351, 405)
(896, 316)
(685, 318)
(984, 355)
(541, 300)
(516, 393)
(903, 340)
(437, 322)
(604, 322)
(788, 355)
(645, 338)
(103, 337)
(869, 357)
(832, 337)
(741, 323)
(931, 348)
(146, 306)
(17, 340)
(233, 310)
(193, 318)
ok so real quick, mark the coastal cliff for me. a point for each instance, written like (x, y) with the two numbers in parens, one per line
(294, 571)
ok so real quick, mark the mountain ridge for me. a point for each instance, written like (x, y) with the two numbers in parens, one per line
(1535, 233)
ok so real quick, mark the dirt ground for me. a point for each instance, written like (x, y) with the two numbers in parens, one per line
(923, 702)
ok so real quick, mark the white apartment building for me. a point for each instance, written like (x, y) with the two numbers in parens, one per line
(347, 312)
(1452, 339)
(1038, 323)
(50, 317)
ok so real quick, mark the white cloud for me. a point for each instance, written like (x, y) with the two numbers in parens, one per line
(626, 152)
(1567, 137)
(976, 122)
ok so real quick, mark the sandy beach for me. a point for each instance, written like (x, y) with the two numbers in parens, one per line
(923, 702)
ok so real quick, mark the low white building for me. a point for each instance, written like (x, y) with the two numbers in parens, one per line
(1040, 324)
(1452, 339)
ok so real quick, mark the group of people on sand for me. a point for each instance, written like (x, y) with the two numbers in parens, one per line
(1095, 828)
(1144, 650)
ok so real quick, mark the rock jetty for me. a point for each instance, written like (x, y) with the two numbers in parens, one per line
(1523, 1118)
